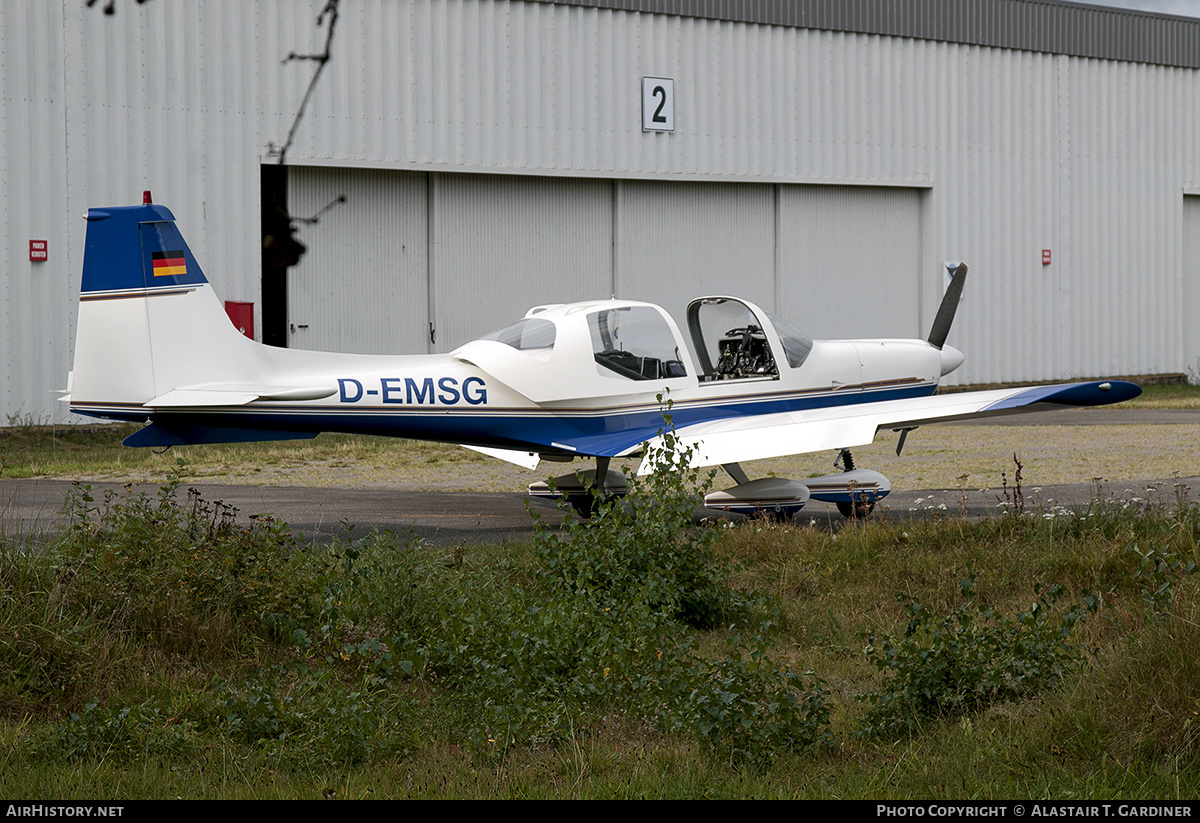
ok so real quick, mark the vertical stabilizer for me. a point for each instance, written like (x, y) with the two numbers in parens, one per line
(148, 320)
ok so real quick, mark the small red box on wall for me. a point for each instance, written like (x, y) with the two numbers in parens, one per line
(1045, 257)
(242, 315)
(38, 251)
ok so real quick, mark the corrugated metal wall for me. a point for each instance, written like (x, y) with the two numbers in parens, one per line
(680, 241)
(502, 244)
(1190, 285)
(1016, 151)
(850, 261)
(34, 188)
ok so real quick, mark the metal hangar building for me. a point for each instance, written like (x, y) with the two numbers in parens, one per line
(462, 160)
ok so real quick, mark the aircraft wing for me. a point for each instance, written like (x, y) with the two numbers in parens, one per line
(733, 440)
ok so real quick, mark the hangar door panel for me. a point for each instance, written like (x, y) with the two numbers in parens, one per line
(502, 244)
(849, 260)
(362, 285)
(678, 241)
(1191, 286)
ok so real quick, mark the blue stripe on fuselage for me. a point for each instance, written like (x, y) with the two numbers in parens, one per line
(600, 432)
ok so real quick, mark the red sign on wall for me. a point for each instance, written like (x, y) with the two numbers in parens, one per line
(38, 251)
(1045, 257)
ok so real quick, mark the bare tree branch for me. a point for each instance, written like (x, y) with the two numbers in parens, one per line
(330, 12)
(282, 244)
(316, 218)
(110, 8)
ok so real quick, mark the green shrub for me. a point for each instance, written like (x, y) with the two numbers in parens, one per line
(1157, 576)
(308, 718)
(645, 546)
(599, 626)
(158, 566)
(749, 710)
(116, 732)
(949, 666)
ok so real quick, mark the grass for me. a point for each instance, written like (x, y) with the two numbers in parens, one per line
(221, 659)
(95, 453)
(1165, 396)
(164, 649)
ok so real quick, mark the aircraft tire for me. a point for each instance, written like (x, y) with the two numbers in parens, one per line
(584, 504)
(857, 510)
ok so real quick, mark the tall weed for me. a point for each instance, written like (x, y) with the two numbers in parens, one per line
(175, 569)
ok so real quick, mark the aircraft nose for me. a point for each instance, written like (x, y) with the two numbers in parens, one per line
(952, 358)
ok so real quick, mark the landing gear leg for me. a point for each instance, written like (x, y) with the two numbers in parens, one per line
(587, 502)
(852, 509)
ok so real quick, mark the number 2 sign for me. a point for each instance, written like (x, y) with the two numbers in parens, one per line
(658, 104)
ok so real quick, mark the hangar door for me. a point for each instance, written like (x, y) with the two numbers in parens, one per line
(503, 244)
(361, 285)
(415, 262)
(1191, 285)
(850, 260)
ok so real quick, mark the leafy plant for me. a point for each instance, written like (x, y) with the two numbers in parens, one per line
(646, 545)
(1157, 576)
(141, 562)
(117, 732)
(306, 717)
(749, 710)
(948, 666)
(598, 626)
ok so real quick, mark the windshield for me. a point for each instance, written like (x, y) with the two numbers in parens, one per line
(796, 344)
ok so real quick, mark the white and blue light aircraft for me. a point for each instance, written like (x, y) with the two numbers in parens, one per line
(580, 380)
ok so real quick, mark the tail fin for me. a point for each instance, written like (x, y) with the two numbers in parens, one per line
(136, 249)
(149, 322)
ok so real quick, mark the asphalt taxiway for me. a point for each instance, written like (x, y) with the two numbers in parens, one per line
(35, 507)
(32, 507)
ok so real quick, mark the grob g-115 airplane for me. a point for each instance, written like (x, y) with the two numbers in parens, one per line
(566, 381)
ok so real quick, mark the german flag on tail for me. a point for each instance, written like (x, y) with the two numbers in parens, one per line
(169, 263)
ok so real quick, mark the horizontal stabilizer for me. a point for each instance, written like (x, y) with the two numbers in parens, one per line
(191, 398)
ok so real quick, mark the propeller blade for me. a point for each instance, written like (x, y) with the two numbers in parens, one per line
(945, 314)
